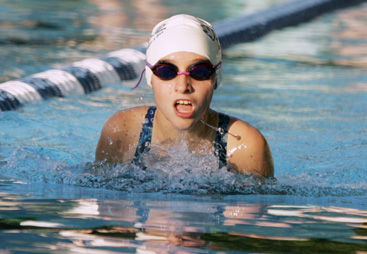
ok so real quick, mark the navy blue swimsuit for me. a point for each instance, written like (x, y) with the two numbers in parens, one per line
(220, 144)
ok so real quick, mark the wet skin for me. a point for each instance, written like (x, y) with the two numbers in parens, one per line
(181, 105)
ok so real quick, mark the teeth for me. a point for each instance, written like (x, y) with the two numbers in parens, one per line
(183, 102)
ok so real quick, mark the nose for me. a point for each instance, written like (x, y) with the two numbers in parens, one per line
(183, 83)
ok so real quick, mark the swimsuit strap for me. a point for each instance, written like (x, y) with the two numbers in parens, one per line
(220, 144)
(145, 138)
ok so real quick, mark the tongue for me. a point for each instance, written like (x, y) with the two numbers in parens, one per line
(183, 107)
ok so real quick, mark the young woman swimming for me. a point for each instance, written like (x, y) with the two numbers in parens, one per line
(183, 66)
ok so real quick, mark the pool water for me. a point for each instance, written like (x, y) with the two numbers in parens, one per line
(304, 87)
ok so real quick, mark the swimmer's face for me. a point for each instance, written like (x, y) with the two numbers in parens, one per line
(183, 100)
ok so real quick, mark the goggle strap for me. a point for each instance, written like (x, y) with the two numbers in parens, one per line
(141, 77)
(217, 65)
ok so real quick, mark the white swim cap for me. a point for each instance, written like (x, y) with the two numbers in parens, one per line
(183, 33)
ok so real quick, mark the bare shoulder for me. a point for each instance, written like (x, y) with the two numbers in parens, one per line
(248, 151)
(129, 117)
(120, 135)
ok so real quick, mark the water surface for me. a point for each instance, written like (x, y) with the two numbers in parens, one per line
(304, 87)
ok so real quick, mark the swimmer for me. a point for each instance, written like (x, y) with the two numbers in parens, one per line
(184, 68)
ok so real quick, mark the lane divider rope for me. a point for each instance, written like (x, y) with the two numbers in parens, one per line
(81, 77)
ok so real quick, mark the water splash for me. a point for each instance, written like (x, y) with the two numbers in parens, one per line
(179, 171)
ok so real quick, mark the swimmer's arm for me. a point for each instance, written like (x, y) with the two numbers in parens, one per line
(250, 153)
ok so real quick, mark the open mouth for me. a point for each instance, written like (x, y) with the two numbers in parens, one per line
(184, 106)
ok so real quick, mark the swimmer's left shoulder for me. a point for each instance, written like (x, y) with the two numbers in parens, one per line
(243, 129)
(248, 150)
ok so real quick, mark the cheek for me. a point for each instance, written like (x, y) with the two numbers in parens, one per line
(206, 91)
(162, 93)
(160, 86)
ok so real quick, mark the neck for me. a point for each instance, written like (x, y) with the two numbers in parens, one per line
(200, 131)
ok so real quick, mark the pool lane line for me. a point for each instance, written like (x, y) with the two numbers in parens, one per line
(81, 77)
(251, 27)
(89, 75)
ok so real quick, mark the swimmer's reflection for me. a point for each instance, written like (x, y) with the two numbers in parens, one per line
(152, 225)
(179, 224)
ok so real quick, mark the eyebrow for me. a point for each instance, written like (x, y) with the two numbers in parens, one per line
(166, 62)
(195, 58)
(194, 62)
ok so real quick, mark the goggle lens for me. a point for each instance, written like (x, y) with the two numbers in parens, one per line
(165, 71)
(201, 71)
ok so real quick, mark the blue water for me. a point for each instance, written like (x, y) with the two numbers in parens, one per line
(304, 87)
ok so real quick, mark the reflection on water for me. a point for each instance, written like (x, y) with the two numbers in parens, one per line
(349, 27)
(340, 41)
(303, 87)
(192, 225)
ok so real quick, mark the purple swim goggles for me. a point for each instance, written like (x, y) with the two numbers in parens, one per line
(165, 70)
